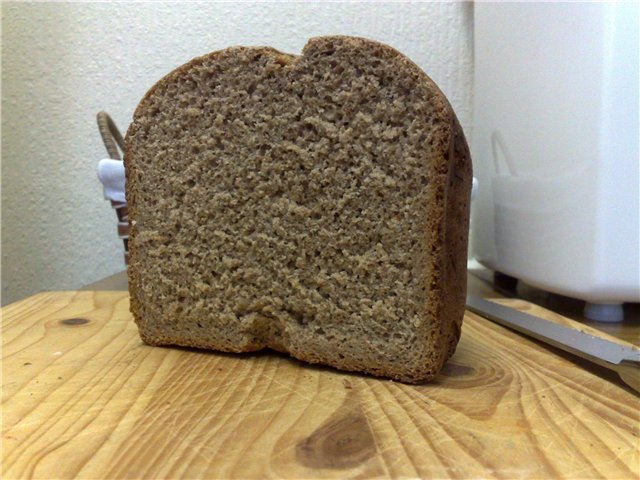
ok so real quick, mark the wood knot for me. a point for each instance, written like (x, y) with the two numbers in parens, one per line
(344, 441)
(74, 321)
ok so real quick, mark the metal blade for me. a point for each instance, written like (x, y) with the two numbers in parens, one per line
(598, 350)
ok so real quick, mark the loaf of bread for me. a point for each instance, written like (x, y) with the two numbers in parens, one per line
(316, 205)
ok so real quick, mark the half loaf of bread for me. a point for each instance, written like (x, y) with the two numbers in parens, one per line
(315, 204)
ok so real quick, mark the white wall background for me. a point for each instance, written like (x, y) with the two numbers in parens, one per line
(63, 62)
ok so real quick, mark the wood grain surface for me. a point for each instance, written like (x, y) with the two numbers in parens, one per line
(82, 397)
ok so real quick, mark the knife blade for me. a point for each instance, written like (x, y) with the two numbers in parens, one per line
(621, 358)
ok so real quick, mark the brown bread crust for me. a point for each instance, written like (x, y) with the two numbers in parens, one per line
(441, 256)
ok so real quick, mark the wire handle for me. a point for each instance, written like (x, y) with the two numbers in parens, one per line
(111, 136)
(498, 144)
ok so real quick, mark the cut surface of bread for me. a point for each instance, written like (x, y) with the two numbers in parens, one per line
(316, 204)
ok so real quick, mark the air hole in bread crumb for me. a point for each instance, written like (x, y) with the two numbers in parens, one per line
(298, 317)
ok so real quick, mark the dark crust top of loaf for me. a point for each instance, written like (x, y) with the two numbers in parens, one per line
(409, 67)
(447, 261)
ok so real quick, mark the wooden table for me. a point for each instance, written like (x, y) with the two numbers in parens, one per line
(84, 398)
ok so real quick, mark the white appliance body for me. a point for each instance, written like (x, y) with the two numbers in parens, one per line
(555, 146)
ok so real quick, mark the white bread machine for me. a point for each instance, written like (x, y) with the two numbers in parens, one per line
(555, 149)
